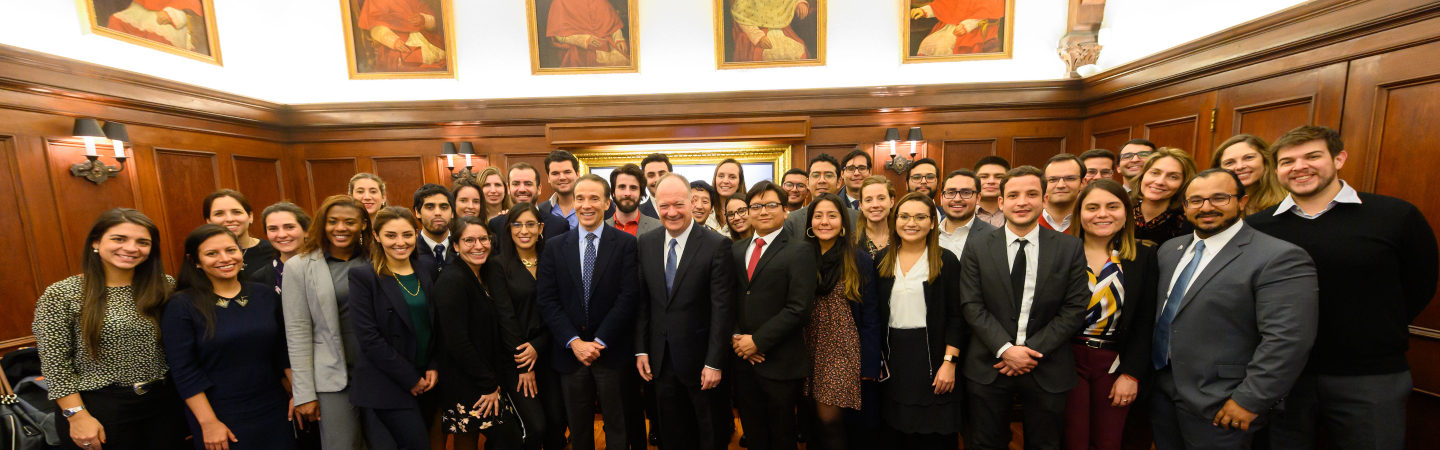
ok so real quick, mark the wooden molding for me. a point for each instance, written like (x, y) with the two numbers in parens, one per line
(571, 135)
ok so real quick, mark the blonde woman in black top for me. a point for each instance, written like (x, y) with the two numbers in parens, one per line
(99, 341)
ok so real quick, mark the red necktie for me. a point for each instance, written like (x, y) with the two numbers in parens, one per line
(755, 256)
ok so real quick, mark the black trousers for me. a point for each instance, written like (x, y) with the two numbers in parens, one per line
(694, 418)
(152, 421)
(767, 408)
(404, 428)
(990, 404)
(611, 385)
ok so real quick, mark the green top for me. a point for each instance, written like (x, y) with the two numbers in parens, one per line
(420, 316)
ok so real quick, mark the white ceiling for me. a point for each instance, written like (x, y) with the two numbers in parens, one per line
(292, 51)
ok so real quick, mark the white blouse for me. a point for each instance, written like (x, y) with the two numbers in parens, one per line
(907, 297)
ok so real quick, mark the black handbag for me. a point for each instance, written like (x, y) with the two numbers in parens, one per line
(22, 426)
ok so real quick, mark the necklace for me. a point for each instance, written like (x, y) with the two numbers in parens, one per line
(225, 302)
(407, 290)
(528, 263)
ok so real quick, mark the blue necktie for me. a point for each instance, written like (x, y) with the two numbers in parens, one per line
(439, 254)
(589, 268)
(1160, 347)
(670, 261)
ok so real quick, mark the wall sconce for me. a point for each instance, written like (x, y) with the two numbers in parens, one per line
(899, 163)
(93, 169)
(467, 150)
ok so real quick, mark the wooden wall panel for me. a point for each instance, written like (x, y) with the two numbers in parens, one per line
(1035, 151)
(263, 183)
(22, 287)
(1182, 122)
(962, 154)
(1111, 140)
(184, 177)
(1180, 132)
(403, 176)
(79, 202)
(1268, 108)
(534, 159)
(328, 177)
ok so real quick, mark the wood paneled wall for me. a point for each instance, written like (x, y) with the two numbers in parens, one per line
(1363, 67)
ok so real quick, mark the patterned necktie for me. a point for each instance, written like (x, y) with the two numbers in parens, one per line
(589, 268)
(1017, 275)
(670, 261)
(755, 257)
(1160, 346)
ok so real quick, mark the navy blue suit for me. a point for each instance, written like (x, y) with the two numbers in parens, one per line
(381, 381)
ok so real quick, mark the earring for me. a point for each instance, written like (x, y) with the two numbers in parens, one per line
(842, 231)
(96, 250)
(810, 232)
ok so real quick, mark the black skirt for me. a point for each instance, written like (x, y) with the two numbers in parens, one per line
(909, 403)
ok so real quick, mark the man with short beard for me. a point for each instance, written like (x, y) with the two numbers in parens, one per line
(626, 193)
(524, 186)
(434, 207)
(958, 196)
(1366, 247)
(1063, 178)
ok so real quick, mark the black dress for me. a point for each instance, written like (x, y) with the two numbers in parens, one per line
(513, 288)
(475, 353)
(239, 368)
(260, 256)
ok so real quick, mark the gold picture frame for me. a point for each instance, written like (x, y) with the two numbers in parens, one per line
(547, 64)
(210, 53)
(686, 154)
(724, 40)
(910, 40)
(360, 65)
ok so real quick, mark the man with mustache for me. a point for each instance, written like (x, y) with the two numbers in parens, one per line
(1237, 317)
(626, 194)
(524, 186)
(434, 206)
(991, 170)
(1063, 179)
(1366, 247)
(824, 178)
(655, 166)
(1023, 292)
(1132, 159)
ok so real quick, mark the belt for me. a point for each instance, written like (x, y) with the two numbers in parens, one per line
(1095, 343)
(140, 388)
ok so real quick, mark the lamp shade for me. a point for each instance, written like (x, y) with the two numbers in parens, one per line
(87, 128)
(466, 148)
(116, 131)
(892, 134)
(915, 135)
(447, 148)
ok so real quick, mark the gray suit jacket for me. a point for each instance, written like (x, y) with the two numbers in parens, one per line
(795, 221)
(312, 327)
(647, 223)
(1245, 325)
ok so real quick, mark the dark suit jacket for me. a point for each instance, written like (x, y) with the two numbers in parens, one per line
(993, 311)
(1245, 327)
(693, 321)
(554, 225)
(774, 305)
(475, 351)
(943, 316)
(1137, 312)
(513, 289)
(648, 208)
(265, 275)
(424, 252)
(383, 376)
(614, 295)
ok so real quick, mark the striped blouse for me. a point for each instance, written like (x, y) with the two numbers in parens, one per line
(1107, 293)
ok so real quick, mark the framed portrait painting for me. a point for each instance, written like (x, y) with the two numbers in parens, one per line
(387, 39)
(179, 27)
(769, 33)
(956, 30)
(583, 36)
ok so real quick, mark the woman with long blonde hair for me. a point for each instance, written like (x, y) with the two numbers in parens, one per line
(1249, 157)
(1157, 197)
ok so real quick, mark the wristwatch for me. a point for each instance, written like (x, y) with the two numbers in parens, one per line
(72, 411)
(951, 358)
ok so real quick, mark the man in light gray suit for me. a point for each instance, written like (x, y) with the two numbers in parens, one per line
(824, 179)
(1239, 315)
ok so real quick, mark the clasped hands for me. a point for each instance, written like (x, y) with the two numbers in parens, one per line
(1018, 360)
(426, 383)
(744, 346)
(585, 351)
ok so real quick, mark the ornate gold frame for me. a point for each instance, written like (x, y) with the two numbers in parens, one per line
(212, 34)
(632, 35)
(776, 154)
(350, 52)
(820, 25)
(905, 57)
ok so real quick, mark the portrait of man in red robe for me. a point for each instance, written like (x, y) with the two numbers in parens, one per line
(400, 36)
(962, 27)
(585, 33)
(175, 23)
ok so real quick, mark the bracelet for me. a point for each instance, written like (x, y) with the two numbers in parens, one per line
(1136, 380)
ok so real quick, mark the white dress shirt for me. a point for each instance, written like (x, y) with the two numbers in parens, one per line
(769, 239)
(1032, 265)
(1057, 225)
(1213, 245)
(955, 242)
(907, 297)
(1347, 195)
(430, 245)
(582, 239)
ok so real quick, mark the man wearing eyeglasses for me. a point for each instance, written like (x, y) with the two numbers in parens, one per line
(855, 171)
(797, 189)
(824, 179)
(1099, 165)
(958, 198)
(923, 176)
(1132, 158)
(1063, 175)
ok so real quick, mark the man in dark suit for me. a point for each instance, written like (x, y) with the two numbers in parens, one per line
(1023, 290)
(776, 280)
(824, 179)
(959, 195)
(855, 168)
(435, 208)
(523, 187)
(687, 314)
(588, 299)
(655, 166)
(1238, 314)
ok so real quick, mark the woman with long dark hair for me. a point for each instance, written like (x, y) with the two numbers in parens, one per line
(532, 384)
(843, 330)
(736, 216)
(231, 210)
(474, 399)
(919, 286)
(225, 348)
(99, 341)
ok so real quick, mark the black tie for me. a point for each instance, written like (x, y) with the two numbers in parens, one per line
(439, 254)
(1017, 275)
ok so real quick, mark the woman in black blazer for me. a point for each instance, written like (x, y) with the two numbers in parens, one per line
(533, 385)
(394, 321)
(919, 291)
(476, 356)
(1119, 317)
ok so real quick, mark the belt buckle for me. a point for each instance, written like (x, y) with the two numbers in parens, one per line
(143, 388)
(1094, 343)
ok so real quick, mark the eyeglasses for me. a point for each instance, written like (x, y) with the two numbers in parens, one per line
(772, 206)
(1141, 155)
(1067, 179)
(1215, 200)
(963, 193)
(855, 168)
(738, 212)
(1103, 173)
(488, 240)
(918, 218)
(525, 225)
(923, 177)
(825, 175)
(793, 186)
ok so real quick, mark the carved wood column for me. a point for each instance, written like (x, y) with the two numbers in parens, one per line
(1081, 45)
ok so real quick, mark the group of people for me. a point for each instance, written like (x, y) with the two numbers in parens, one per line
(1253, 303)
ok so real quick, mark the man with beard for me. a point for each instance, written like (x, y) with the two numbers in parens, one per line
(797, 191)
(524, 185)
(991, 170)
(1063, 175)
(824, 179)
(1365, 246)
(434, 207)
(626, 193)
(958, 198)
(655, 166)
(1237, 319)
(563, 168)
(1132, 159)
